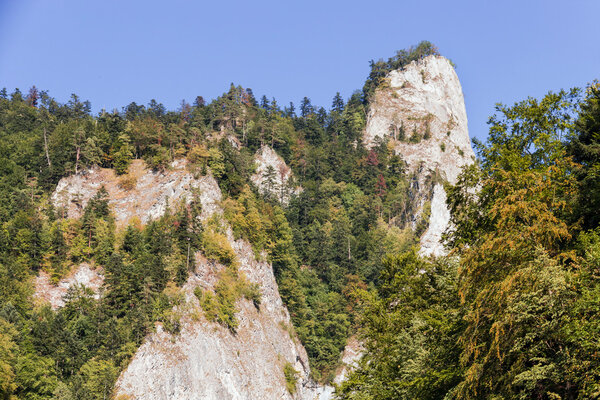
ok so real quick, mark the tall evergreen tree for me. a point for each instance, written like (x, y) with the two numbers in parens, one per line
(337, 103)
(306, 107)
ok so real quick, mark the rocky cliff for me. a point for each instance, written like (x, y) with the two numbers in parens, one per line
(140, 194)
(205, 360)
(54, 293)
(421, 110)
(273, 177)
(350, 356)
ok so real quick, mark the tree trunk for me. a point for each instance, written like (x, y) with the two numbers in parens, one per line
(77, 159)
(349, 254)
(46, 148)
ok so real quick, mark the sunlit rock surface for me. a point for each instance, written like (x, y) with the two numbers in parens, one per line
(205, 360)
(273, 177)
(422, 110)
(54, 293)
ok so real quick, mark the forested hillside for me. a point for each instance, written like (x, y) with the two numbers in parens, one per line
(326, 243)
(510, 313)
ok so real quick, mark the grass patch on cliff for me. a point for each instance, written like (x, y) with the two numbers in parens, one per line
(291, 377)
(127, 182)
(423, 223)
(167, 308)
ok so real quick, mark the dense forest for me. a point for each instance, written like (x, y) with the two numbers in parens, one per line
(510, 313)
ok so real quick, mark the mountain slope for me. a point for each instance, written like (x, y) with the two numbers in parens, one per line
(204, 359)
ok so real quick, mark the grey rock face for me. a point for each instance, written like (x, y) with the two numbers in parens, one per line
(422, 111)
(81, 275)
(145, 197)
(273, 177)
(205, 360)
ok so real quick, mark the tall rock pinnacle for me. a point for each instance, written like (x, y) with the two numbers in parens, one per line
(421, 109)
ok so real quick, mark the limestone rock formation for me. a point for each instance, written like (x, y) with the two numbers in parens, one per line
(438, 222)
(273, 177)
(81, 275)
(205, 360)
(142, 193)
(421, 109)
(352, 354)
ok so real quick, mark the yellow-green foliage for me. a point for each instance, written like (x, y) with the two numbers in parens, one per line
(394, 239)
(55, 260)
(251, 291)
(291, 377)
(215, 243)
(232, 284)
(7, 349)
(77, 243)
(264, 225)
(220, 305)
(247, 220)
(98, 378)
(198, 155)
(424, 221)
(215, 162)
(127, 182)
(174, 261)
(167, 308)
(198, 159)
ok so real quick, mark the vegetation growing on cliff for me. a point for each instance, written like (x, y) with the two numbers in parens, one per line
(381, 68)
(78, 350)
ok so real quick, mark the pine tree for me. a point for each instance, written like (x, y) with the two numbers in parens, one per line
(337, 103)
(585, 150)
(264, 103)
(305, 107)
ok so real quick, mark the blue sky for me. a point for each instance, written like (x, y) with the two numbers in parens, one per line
(114, 52)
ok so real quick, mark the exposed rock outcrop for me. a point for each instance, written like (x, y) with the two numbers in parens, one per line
(421, 109)
(54, 294)
(438, 222)
(353, 352)
(142, 193)
(205, 360)
(273, 177)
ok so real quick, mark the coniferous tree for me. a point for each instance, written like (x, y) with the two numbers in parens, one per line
(305, 107)
(337, 103)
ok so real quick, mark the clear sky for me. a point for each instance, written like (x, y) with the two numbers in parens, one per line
(114, 52)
